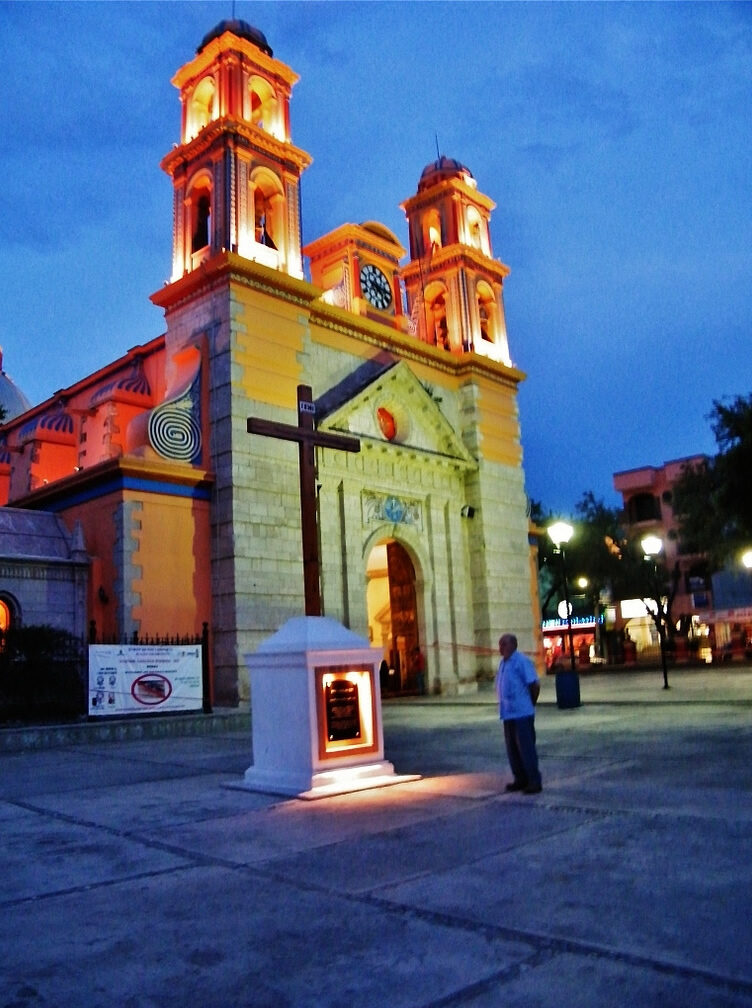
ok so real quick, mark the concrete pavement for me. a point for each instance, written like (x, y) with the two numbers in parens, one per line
(134, 876)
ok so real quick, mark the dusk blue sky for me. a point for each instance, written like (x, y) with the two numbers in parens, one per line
(615, 139)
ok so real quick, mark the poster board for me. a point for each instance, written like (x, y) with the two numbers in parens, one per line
(144, 679)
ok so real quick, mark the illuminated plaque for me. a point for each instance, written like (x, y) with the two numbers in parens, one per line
(346, 711)
(342, 711)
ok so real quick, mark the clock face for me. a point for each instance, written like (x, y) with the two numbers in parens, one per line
(375, 286)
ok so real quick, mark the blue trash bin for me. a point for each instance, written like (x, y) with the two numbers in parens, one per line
(567, 690)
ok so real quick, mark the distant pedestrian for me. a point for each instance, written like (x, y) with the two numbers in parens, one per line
(419, 668)
(518, 688)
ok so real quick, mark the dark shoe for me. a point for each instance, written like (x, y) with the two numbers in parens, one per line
(515, 786)
(533, 789)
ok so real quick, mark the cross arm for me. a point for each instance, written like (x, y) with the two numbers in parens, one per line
(289, 432)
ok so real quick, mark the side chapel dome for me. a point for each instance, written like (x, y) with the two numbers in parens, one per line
(12, 399)
(240, 28)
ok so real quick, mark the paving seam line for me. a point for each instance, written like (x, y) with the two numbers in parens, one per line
(556, 944)
(505, 975)
(540, 942)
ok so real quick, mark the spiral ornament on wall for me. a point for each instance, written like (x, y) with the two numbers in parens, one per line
(174, 431)
(175, 425)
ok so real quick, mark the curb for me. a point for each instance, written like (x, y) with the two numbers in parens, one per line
(123, 730)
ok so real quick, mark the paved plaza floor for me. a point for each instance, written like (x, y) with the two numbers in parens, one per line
(134, 876)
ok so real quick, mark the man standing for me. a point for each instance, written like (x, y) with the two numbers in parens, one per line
(518, 688)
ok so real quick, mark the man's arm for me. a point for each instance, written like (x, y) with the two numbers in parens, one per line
(534, 688)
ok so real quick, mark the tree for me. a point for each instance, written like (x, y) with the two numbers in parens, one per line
(592, 553)
(596, 551)
(549, 582)
(713, 500)
(612, 562)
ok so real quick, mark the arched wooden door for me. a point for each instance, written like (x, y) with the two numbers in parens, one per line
(403, 604)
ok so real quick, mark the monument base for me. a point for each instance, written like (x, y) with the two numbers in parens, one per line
(326, 784)
(316, 713)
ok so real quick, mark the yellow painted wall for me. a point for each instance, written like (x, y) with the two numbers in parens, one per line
(173, 554)
(97, 522)
(269, 340)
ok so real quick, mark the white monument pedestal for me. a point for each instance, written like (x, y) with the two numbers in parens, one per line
(316, 713)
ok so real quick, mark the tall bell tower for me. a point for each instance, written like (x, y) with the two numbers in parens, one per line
(233, 342)
(235, 172)
(454, 285)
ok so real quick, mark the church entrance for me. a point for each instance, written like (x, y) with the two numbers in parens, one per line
(393, 618)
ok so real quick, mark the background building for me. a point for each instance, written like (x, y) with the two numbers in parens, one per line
(647, 494)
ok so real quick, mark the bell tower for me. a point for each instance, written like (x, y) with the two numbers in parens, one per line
(453, 283)
(232, 304)
(235, 172)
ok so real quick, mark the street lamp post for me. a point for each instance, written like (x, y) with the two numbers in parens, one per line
(567, 693)
(651, 547)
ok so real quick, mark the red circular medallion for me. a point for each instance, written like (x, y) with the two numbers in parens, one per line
(386, 423)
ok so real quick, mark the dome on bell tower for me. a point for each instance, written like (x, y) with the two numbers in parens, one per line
(444, 168)
(12, 399)
(240, 28)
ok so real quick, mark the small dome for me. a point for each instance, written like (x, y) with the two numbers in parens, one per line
(381, 231)
(443, 168)
(12, 399)
(240, 28)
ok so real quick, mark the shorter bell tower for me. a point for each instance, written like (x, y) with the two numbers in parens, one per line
(454, 286)
(235, 172)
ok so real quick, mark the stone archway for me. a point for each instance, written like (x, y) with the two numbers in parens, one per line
(392, 601)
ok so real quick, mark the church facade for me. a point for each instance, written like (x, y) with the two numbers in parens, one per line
(187, 518)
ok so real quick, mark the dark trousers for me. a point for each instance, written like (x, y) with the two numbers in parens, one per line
(519, 736)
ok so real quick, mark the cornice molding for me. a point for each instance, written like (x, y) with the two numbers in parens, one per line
(454, 187)
(247, 136)
(230, 45)
(456, 255)
(248, 272)
(84, 483)
(408, 348)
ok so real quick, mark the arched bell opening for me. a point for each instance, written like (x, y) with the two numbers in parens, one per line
(199, 220)
(477, 231)
(269, 217)
(263, 107)
(487, 312)
(432, 237)
(201, 108)
(437, 323)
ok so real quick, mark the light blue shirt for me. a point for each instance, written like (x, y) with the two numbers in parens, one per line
(515, 676)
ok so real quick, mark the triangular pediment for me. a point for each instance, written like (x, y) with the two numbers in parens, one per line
(397, 410)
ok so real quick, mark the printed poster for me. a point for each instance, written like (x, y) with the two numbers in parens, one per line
(144, 678)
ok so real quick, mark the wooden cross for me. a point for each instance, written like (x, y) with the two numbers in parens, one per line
(308, 439)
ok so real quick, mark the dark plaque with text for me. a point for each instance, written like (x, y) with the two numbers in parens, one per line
(342, 711)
